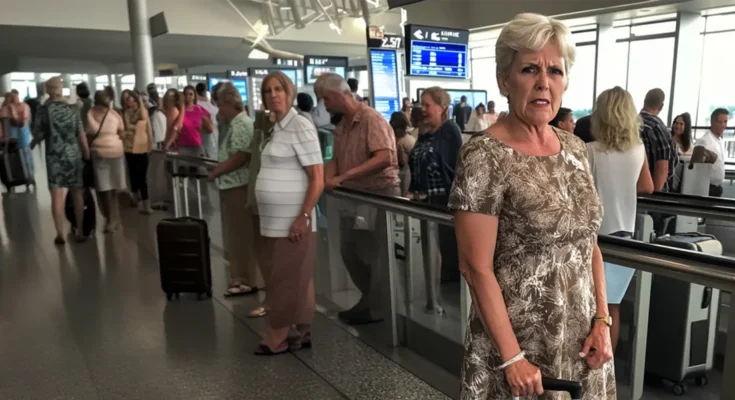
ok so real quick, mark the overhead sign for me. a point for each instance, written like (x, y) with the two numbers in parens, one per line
(314, 66)
(287, 62)
(378, 39)
(384, 79)
(197, 78)
(437, 52)
(237, 74)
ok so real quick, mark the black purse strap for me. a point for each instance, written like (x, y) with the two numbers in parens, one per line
(99, 129)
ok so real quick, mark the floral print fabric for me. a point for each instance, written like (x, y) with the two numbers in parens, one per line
(549, 214)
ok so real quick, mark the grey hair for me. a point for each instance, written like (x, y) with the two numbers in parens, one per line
(54, 87)
(228, 94)
(331, 82)
(531, 32)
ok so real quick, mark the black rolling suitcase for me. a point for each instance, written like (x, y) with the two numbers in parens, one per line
(183, 252)
(13, 171)
(557, 385)
(90, 213)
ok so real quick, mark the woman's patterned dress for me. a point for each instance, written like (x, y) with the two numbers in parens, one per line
(61, 125)
(549, 214)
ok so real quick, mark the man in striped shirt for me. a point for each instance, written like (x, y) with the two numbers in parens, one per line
(660, 148)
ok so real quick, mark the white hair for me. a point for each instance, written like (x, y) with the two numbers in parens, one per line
(331, 82)
(228, 94)
(531, 32)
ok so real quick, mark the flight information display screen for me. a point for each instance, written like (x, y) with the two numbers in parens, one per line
(386, 92)
(437, 52)
(314, 66)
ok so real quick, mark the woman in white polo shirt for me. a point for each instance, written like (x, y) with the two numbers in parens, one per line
(288, 186)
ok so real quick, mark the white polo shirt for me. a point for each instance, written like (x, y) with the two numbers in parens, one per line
(717, 145)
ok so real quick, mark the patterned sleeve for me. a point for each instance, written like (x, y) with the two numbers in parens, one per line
(306, 144)
(242, 135)
(480, 182)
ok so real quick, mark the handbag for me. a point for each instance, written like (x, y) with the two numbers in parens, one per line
(88, 167)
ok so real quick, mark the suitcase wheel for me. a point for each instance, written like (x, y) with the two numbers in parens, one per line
(679, 389)
(701, 381)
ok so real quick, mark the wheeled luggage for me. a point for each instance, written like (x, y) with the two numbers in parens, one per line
(682, 320)
(90, 213)
(557, 385)
(183, 249)
(13, 170)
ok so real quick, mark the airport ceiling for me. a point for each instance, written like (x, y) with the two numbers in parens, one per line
(41, 49)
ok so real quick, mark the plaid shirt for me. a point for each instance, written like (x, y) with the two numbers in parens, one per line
(659, 144)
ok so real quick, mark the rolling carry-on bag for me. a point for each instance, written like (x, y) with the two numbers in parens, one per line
(557, 385)
(13, 171)
(682, 322)
(183, 250)
(90, 213)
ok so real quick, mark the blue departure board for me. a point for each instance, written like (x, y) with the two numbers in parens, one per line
(386, 92)
(242, 86)
(437, 52)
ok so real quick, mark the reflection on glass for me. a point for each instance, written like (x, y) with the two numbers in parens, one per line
(651, 66)
(580, 95)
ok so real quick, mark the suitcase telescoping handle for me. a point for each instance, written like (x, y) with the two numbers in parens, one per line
(558, 385)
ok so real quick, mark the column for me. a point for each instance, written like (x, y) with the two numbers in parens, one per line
(605, 78)
(6, 84)
(116, 83)
(687, 65)
(92, 83)
(142, 46)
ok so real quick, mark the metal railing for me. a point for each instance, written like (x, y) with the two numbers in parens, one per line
(714, 271)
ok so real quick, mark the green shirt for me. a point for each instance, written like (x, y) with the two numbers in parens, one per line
(234, 136)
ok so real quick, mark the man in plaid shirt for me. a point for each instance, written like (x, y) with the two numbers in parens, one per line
(660, 148)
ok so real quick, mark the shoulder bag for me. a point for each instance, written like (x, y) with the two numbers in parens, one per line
(88, 169)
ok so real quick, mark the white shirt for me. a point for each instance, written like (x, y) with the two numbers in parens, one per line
(616, 179)
(282, 182)
(477, 124)
(717, 145)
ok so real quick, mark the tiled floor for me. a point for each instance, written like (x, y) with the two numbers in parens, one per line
(89, 321)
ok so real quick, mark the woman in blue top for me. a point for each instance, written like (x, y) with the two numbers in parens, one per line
(20, 117)
(432, 163)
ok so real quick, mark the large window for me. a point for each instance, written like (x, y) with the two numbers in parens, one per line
(717, 87)
(651, 66)
(580, 95)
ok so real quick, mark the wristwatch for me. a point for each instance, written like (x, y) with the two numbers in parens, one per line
(607, 320)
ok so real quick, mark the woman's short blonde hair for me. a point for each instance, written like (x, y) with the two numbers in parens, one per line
(227, 93)
(615, 122)
(440, 97)
(285, 82)
(531, 32)
(54, 87)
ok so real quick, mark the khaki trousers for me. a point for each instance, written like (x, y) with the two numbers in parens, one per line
(239, 228)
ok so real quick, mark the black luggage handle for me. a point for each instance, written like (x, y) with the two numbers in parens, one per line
(558, 385)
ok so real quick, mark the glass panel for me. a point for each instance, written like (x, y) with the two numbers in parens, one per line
(717, 86)
(622, 32)
(580, 95)
(128, 79)
(642, 77)
(22, 76)
(583, 37)
(619, 68)
(654, 29)
(483, 78)
(720, 22)
(48, 75)
(27, 89)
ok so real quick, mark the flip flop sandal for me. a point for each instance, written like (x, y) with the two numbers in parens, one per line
(240, 290)
(258, 312)
(264, 350)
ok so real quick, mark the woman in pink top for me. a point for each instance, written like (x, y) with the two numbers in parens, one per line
(104, 133)
(188, 134)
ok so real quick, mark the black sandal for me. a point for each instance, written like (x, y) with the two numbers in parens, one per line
(264, 350)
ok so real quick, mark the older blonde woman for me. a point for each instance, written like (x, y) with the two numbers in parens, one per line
(618, 161)
(289, 184)
(60, 125)
(232, 178)
(527, 215)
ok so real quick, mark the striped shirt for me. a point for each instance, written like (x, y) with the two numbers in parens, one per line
(282, 183)
(659, 144)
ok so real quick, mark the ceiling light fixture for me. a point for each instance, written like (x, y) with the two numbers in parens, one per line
(256, 54)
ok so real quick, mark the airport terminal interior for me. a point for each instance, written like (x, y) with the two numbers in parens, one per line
(86, 314)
